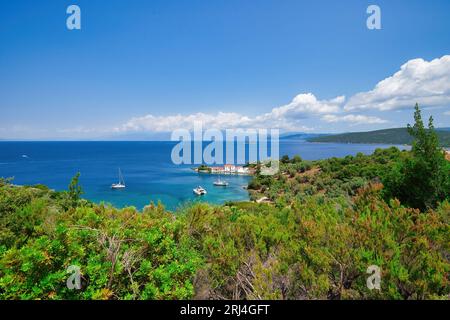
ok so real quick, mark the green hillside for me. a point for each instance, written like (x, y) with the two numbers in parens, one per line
(388, 136)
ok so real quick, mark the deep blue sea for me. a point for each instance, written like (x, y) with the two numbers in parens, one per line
(147, 168)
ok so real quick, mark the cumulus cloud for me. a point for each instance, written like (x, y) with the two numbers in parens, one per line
(425, 82)
(354, 119)
(286, 117)
(306, 104)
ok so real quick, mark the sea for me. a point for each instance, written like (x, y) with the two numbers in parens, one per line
(147, 168)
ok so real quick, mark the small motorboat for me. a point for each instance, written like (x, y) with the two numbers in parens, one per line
(199, 191)
(220, 183)
(120, 184)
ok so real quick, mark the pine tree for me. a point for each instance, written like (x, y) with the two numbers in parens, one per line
(423, 179)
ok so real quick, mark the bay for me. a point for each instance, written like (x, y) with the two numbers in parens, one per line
(148, 170)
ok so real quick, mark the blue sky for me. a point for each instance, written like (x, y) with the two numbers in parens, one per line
(150, 66)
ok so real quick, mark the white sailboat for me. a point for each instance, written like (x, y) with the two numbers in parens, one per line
(220, 183)
(120, 184)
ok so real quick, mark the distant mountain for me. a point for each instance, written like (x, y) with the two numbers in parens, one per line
(165, 136)
(301, 135)
(387, 136)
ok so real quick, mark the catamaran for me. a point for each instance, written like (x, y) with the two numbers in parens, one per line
(199, 191)
(121, 184)
(220, 183)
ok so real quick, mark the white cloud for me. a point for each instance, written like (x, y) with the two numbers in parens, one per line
(354, 119)
(286, 117)
(424, 82)
(169, 123)
(306, 104)
(447, 113)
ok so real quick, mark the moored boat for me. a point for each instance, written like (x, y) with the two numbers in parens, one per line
(199, 191)
(220, 183)
(120, 184)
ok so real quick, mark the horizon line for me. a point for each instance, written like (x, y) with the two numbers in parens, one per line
(282, 136)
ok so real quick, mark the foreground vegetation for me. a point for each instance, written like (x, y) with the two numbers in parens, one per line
(324, 224)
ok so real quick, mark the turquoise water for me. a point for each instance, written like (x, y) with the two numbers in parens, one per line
(148, 170)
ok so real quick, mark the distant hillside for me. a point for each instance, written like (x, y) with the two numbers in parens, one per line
(387, 136)
(300, 135)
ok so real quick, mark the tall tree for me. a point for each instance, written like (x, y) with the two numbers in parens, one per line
(423, 179)
(75, 190)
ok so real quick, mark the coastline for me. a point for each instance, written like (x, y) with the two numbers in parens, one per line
(227, 169)
(147, 169)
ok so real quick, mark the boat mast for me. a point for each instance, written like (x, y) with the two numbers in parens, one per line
(121, 180)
